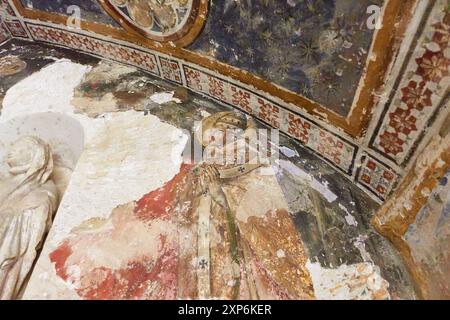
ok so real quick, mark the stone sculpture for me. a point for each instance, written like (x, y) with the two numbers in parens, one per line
(28, 200)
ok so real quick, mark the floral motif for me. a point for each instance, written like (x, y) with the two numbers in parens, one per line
(402, 121)
(269, 113)
(377, 177)
(216, 88)
(170, 70)
(241, 99)
(330, 147)
(433, 66)
(124, 54)
(442, 36)
(423, 86)
(391, 143)
(193, 79)
(299, 128)
(416, 95)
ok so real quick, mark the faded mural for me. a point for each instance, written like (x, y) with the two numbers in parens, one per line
(213, 231)
(429, 240)
(202, 231)
(158, 20)
(315, 48)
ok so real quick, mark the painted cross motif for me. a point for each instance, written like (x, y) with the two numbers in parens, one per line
(203, 264)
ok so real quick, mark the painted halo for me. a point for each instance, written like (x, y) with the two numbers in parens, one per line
(179, 21)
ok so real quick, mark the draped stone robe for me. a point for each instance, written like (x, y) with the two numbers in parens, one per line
(28, 200)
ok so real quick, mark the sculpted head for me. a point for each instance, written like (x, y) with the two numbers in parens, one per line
(32, 157)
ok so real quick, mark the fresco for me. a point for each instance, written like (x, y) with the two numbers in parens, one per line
(200, 235)
(429, 239)
(300, 232)
(281, 235)
(90, 9)
(158, 20)
(315, 48)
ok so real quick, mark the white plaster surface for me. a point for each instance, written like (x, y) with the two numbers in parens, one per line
(126, 155)
(129, 157)
(48, 90)
(49, 127)
(360, 281)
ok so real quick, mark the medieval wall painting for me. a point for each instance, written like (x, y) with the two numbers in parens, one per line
(161, 21)
(317, 49)
(149, 233)
(134, 225)
(422, 93)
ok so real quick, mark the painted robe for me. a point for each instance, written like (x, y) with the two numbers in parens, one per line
(194, 238)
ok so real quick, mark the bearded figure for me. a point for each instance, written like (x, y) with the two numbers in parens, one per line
(217, 230)
(28, 200)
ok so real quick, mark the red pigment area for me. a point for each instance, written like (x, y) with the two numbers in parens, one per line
(142, 278)
(141, 273)
(59, 258)
(134, 281)
(161, 202)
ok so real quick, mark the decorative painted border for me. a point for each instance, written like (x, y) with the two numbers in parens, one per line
(335, 147)
(124, 54)
(17, 29)
(386, 42)
(421, 94)
(376, 177)
(170, 70)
